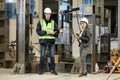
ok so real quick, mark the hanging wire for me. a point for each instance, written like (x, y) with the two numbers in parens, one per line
(78, 22)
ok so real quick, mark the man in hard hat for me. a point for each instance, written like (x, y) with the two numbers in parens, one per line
(47, 31)
(84, 37)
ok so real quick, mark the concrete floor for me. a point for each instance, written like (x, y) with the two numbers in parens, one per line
(5, 74)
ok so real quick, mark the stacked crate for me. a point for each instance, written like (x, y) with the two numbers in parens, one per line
(4, 33)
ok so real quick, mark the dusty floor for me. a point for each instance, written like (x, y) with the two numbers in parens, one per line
(5, 74)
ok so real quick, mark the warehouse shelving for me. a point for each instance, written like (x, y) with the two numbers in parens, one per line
(4, 34)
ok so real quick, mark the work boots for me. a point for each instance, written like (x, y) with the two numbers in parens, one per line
(52, 66)
(82, 74)
(54, 72)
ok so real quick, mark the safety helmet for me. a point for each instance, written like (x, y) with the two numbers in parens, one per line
(47, 10)
(84, 19)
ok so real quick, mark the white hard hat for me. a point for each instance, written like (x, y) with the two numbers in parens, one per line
(47, 10)
(84, 19)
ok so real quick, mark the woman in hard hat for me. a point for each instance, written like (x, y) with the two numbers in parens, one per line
(47, 31)
(84, 39)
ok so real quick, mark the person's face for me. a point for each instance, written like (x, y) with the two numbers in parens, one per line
(47, 16)
(83, 24)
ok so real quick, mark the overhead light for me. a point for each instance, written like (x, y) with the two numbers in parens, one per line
(9, 1)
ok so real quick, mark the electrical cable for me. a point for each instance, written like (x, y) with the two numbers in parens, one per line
(73, 35)
(78, 22)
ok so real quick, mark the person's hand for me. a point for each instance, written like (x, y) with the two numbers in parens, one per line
(51, 32)
(78, 36)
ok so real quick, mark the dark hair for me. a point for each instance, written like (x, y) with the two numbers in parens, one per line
(87, 26)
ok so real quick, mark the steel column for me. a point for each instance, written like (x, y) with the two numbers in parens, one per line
(119, 23)
(20, 47)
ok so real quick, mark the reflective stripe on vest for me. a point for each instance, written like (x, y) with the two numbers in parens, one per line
(47, 27)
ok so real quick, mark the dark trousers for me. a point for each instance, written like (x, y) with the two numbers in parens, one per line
(42, 55)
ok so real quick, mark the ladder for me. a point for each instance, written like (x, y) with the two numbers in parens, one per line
(114, 67)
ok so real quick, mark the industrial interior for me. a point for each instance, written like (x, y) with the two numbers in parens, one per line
(19, 45)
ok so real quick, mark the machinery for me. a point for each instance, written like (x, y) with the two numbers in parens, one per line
(113, 60)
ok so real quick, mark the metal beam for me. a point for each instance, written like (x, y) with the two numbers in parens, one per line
(119, 23)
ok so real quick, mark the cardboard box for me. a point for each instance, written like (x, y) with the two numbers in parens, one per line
(56, 57)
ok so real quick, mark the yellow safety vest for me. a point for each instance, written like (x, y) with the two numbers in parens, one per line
(47, 27)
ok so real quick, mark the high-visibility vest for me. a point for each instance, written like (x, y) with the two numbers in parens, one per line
(47, 27)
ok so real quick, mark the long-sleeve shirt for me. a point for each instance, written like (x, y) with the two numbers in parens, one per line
(85, 38)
